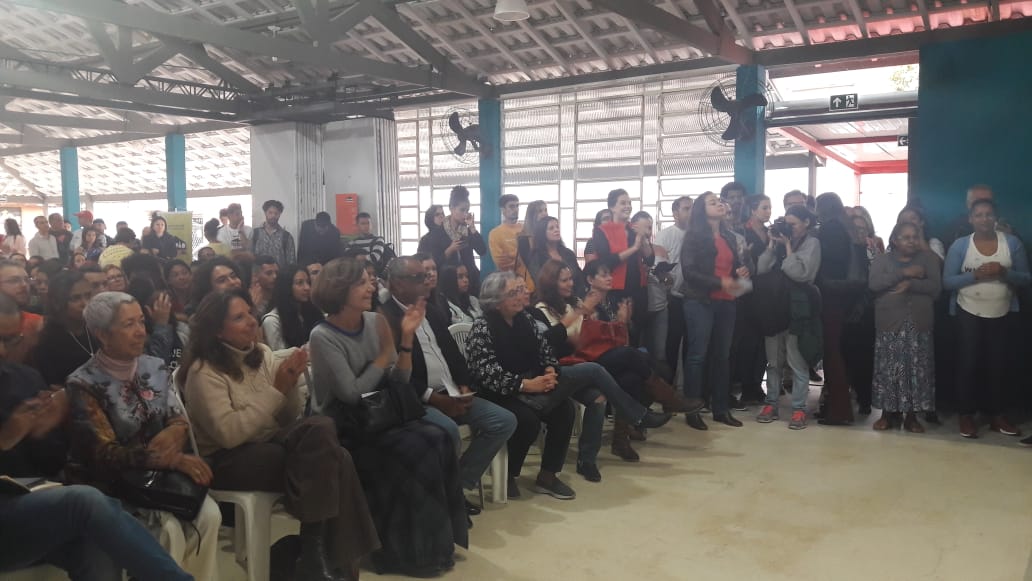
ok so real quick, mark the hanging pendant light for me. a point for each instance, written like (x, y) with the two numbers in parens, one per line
(511, 10)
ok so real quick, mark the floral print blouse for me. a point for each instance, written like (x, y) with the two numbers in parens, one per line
(115, 420)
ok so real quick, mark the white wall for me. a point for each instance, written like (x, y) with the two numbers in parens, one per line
(274, 173)
(349, 155)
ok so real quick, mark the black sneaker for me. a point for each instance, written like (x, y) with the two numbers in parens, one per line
(737, 405)
(589, 472)
(513, 488)
(555, 489)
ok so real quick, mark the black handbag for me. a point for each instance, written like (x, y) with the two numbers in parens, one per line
(167, 490)
(390, 406)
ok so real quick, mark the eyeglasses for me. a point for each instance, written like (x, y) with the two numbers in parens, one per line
(516, 292)
(11, 340)
(16, 280)
(115, 278)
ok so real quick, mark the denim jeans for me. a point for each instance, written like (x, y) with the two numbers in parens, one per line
(598, 381)
(709, 328)
(491, 425)
(78, 529)
(780, 348)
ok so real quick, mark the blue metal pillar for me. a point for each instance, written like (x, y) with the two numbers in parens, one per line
(751, 154)
(490, 172)
(70, 184)
(175, 171)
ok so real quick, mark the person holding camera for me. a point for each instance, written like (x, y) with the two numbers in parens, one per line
(797, 256)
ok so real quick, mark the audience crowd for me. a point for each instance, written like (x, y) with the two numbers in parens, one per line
(245, 369)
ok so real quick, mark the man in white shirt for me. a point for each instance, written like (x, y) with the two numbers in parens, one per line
(44, 243)
(672, 239)
(440, 376)
(235, 234)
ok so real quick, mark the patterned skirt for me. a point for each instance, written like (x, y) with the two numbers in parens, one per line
(904, 370)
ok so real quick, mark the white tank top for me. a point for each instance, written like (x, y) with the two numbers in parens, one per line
(986, 299)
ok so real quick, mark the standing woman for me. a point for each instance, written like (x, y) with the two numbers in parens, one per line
(433, 218)
(456, 241)
(536, 212)
(245, 403)
(159, 242)
(548, 245)
(14, 241)
(627, 251)
(839, 293)
(906, 282)
(410, 473)
(127, 418)
(982, 272)
(462, 306)
(914, 216)
(752, 353)
(292, 316)
(711, 268)
(874, 242)
(602, 217)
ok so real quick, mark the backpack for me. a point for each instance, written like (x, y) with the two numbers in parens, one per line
(768, 307)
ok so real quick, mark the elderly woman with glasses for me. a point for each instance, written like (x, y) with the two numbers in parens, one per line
(245, 402)
(127, 416)
(410, 472)
(512, 364)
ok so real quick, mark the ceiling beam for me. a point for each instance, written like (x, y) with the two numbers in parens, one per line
(149, 62)
(198, 54)
(16, 175)
(722, 46)
(491, 38)
(570, 15)
(32, 140)
(186, 129)
(812, 145)
(118, 60)
(67, 85)
(190, 29)
(412, 13)
(797, 20)
(700, 66)
(711, 14)
(18, 118)
(546, 46)
(119, 105)
(858, 16)
(743, 31)
(922, 6)
(859, 140)
(389, 19)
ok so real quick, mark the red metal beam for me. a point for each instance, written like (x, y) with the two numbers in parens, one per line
(814, 146)
(889, 166)
(858, 140)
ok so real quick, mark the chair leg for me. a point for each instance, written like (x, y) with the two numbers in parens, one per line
(259, 524)
(500, 477)
(240, 533)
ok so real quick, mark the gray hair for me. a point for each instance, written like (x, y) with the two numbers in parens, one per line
(492, 289)
(102, 309)
(399, 267)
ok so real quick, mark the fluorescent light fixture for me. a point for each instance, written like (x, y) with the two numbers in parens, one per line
(511, 10)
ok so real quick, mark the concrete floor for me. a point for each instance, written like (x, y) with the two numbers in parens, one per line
(765, 502)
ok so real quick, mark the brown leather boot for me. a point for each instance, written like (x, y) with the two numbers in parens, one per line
(673, 402)
(622, 441)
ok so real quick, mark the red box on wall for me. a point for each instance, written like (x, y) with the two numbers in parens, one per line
(347, 213)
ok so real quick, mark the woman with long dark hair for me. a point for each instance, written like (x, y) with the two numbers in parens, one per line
(65, 343)
(548, 245)
(92, 245)
(752, 359)
(179, 279)
(841, 281)
(14, 242)
(292, 316)
(525, 241)
(219, 273)
(462, 306)
(433, 218)
(712, 269)
(262, 445)
(159, 242)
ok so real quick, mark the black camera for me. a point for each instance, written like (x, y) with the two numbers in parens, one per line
(781, 227)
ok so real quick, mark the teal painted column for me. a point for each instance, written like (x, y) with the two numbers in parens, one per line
(751, 154)
(70, 184)
(490, 172)
(175, 171)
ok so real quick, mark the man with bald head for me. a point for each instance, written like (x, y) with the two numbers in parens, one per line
(440, 375)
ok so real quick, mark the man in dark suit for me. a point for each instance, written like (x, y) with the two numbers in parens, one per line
(440, 375)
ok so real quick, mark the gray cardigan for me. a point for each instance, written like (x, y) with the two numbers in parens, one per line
(801, 266)
(342, 363)
(892, 309)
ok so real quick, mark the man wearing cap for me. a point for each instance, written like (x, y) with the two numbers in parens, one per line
(319, 240)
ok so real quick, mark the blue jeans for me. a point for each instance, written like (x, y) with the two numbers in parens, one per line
(491, 425)
(781, 348)
(709, 328)
(78, 529)
(597, 381)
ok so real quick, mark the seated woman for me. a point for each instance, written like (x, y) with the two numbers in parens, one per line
(127, 417)
(65, 343)
(906, 282)
(512, 364)
(75, 528)
(217, 274)
(462, 307)
(562, 312)
(245, 402)
(179, 279)
(410, 473)
(114, 279)
(292, 316)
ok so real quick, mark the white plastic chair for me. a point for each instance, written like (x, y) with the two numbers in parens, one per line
(500, 463)
(252, 531)
(37, 573)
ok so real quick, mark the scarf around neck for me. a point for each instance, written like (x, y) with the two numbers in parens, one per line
(120, 370)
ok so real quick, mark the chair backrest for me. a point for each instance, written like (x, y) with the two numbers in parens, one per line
(459, 332)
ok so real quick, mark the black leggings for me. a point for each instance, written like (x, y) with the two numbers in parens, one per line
(981, 344)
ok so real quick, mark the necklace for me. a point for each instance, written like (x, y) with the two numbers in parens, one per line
(89, 342)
